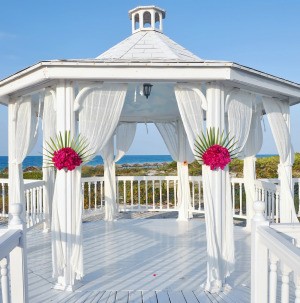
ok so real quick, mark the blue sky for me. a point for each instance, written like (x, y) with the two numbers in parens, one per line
(262, 34)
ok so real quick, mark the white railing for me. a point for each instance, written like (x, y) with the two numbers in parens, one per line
(238, 197)
(13, 261)
(155, 193)
(34, 202)
(268, 192)
(275, 260)
(33, 190)
(3, 197)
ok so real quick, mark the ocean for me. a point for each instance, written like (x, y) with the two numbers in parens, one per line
(130, 159)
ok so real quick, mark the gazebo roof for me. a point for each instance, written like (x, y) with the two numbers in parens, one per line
(148, 46)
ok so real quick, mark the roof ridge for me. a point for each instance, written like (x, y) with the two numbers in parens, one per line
(133, 45)
(163, 36)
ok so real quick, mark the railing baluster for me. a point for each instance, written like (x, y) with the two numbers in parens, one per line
(175, 194)
(146, 193)
(131, 194)
(168, 195)
(241, 198)
(95, 195)
(193, 194)
(160, 195)
(277, 207)
(89, 194)
(233, 198)
(273, 278)
(297, 289)
(139, 194)
(4, 280)
(285, 284)
(199, 196)
(3, 199)
(124, 192)
(153, 194)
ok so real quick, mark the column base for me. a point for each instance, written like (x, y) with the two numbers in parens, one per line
(71, 288)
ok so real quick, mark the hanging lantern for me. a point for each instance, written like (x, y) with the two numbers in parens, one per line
(147, 89)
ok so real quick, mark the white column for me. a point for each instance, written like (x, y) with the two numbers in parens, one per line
(65, 118)
(215, 117)
(217, 201)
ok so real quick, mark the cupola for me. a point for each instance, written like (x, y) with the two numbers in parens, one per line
(145, 18)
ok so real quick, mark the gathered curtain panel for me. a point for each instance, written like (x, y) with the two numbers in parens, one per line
(242, 128)
(125, 133)
(190, 102)
(175, 138)
(49, 131)
(251, 149)
(99, 113)
(239, 118)
(26, 134)
(278, 116)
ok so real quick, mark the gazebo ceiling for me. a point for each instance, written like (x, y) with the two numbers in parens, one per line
(147, 56)
(160, 106)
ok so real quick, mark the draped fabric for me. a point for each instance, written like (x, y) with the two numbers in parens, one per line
(221, 258)
(99, 113)
(124, 137)
(278, 117)
(190, 107)
(190, 103)
(107, 154)
(49, 131)
(25, 138)
(239, 118)
(242, 123)
(175, 139)
(252, 147)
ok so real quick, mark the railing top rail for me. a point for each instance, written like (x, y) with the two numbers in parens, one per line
(266, 185)
(8, 241)
(28, 184)
(281, 247)
(3, 180)
(140, 178)
(290, 229)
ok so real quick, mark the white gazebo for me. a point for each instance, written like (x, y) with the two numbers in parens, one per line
(104, 98)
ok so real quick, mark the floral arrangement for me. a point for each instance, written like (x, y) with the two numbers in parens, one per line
(66, 153)
(214, 149)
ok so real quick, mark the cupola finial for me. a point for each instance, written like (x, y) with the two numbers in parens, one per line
(147, 18)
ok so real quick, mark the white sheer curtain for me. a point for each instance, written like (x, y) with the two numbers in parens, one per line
(278, 116)
(239, 118)
(26, 133)
(49, 131)
(99, 113)
(124, 136)
(251, 149)
(190, 101)
(175, 139)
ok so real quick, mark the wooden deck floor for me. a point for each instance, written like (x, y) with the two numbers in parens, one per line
(139, 260)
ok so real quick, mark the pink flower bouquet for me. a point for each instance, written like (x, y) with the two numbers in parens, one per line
(66, 153)
(214, 149)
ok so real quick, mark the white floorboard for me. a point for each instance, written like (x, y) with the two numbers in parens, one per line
(130, 260)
